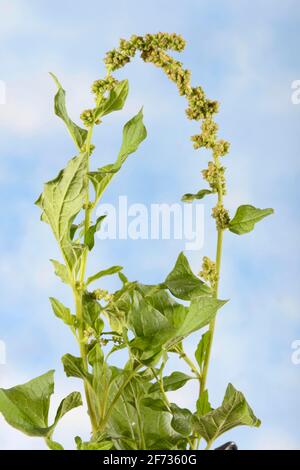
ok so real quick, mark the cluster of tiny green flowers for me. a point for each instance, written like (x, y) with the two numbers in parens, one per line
(221, 215)
(153, 49)
(215, 176)
(101, 294)
(127, 49)
(88, 118)
(199, 106)
(100, 87)
(209, 271)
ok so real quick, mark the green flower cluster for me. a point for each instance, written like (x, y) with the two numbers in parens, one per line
(153, 49)
(100, 87)
(101, 294)
(209, 271)
(222, 217)
(215, 176)
(88, 118)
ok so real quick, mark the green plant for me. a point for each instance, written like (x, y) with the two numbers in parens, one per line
(129, 407)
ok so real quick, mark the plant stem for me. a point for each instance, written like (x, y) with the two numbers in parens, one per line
(216, 290)
(78, 290)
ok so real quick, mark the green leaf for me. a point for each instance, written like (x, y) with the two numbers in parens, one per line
(26, 407)
(201, 312)
(89, 238)
(78, 134)
(157, 320)
(104, 272)
(62, 312)
(246, 217)
(201, 350)
(172, 382)
(183, 283)
(134, 132)
(61, 271)
(199, 195)
(156, 404)
(53, 445)
(203, 406)
(233, 412)
(115, 100)
(74, 367)
(91, 309)
(62, 199)
(73, 400)
(182, 420)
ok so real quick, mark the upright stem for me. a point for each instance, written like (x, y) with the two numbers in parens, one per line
(216, 290)
(78, 290)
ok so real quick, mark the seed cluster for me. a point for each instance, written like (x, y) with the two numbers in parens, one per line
(152, 48)
(222, 217)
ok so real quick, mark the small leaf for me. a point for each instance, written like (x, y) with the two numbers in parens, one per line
(73, 400)
(172, 382)
(201, 350)
(183, 283)
(77, 133)
(182, 420)
(62, 312)
(134, 133)
(233, 412)
(156, 404)
(91, 309)
(115, 100)
(61, 271)
(53, 445)
(89, 238)
(203, 406)
(246, 217)
(104, 272)
(73, 367)
(199, 195)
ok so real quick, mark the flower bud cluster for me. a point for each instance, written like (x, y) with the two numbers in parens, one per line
(221, 215)
(88, 118)
(209, 271)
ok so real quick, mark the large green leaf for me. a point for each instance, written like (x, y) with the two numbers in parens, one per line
(233, 412)
(62, 199)
(26, 406)
(156, 319)
(135, 425)
(183, 283)
(77, 133)
(115, 100)
(134, 132)
(201, 312)
(246, 217)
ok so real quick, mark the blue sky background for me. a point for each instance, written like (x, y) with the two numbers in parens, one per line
(245, 54)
